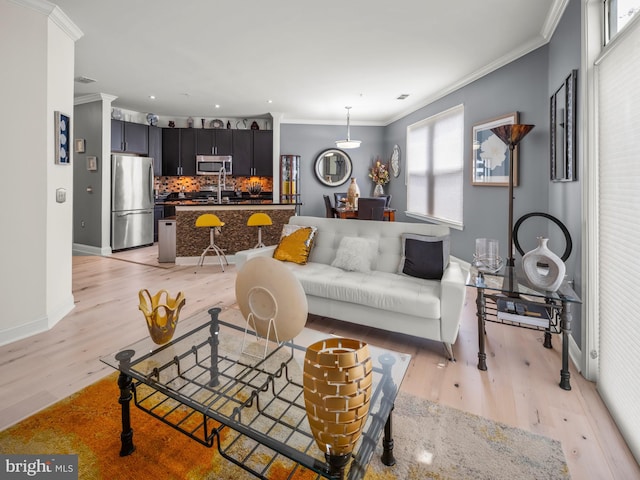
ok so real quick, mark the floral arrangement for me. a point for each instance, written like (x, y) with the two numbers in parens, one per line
(379, 173)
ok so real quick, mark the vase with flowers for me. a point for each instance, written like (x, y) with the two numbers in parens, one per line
(379, 174)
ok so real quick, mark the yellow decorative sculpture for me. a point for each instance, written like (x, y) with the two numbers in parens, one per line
(161, 312)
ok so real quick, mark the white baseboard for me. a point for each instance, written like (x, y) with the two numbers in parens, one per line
(575, 354)
(36, 326)
(81, 249)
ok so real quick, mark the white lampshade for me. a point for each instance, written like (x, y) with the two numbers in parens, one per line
(348, 143)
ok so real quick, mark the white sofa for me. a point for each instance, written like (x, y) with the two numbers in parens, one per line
(382, 298)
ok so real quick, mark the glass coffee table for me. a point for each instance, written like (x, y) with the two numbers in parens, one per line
(250, 408)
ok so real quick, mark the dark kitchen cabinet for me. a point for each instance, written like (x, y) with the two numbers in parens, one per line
(253, 153)
(129, 137)
(155, 149)
(158, 214)
(263, 153)
(178, 151)
(210, 141)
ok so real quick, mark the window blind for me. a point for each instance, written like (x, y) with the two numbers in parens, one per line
(618, 227)
(435, 166)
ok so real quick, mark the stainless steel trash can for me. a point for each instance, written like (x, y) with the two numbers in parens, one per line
(167, 240)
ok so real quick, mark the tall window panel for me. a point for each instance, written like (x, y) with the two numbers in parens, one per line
(618, 71)
(435, 167)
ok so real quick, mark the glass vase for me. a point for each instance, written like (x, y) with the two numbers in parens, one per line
(378, 190)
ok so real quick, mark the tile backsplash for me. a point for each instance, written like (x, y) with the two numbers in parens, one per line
(166, 184)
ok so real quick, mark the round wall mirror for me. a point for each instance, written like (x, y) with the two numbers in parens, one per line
(333, 167)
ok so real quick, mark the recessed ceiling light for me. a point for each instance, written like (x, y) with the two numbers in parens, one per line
(269, 101)
(403, 96)
(217, 106)
(152, 97)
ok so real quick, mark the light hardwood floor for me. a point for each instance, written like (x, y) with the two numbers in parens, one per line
(519, 389)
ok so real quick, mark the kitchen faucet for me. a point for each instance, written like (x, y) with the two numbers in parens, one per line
(222, 182)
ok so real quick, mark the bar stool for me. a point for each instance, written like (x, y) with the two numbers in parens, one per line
(259, 220)
(212, 222)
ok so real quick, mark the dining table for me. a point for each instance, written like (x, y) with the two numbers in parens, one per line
(346, 212)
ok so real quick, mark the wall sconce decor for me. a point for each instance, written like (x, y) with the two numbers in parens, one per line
(80, 145)
(92, 163)
(562, 118)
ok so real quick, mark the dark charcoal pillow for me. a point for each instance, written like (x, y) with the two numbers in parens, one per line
(424, 256)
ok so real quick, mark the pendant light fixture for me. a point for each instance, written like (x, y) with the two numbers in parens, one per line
(348, 143)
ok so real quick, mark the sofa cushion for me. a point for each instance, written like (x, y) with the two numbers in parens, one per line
(356, 254)
(295, 244)
(424, 256)
(382, 290)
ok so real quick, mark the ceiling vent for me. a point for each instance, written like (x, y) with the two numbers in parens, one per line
(83, 79)
(403, 96)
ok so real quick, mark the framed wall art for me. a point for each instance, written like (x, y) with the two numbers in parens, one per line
(490, 155)
(62, 138)
(562, 119)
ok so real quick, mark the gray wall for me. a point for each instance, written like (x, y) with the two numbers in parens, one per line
(565, 201)
(309, 140)
(524, 85)
(87, 207)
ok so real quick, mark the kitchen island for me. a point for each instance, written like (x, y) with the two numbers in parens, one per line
(235, 235)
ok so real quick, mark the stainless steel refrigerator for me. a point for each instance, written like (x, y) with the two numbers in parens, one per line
(131, 201)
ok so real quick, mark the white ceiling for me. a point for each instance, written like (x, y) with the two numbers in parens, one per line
(311, 59)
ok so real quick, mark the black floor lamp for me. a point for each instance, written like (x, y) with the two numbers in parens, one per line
(511, 136)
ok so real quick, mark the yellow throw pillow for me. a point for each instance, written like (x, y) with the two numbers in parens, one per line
(296, 246)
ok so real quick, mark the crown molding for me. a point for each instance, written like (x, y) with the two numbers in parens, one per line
(553, 18)
(94, 97)
(56, 15)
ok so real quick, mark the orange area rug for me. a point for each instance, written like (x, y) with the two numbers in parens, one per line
(431, 442)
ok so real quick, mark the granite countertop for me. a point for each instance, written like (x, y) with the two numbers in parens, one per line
(200, 203)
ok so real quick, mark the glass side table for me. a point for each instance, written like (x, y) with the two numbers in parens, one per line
(519, 304)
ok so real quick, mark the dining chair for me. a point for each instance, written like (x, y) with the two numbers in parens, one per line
(371, 208)
(340, 199)
(388, 199)
(330, 212)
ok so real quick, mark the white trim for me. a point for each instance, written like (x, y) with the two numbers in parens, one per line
(588, 114)
(553, 18)
(575, 354)
(81, 249)
(94, 97)
(437, 221)
(56, 15)
(39, 325)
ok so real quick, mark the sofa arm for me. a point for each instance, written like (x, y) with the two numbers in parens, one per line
(244, 256)
(452, 297)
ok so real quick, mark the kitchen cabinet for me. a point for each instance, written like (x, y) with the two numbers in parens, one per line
(129, 137)
(155, 149)
(210, 141)
(179, 151)
(253, 153)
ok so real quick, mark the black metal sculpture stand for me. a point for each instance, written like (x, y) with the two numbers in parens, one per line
(565, 323)
(337, 464)
(480, 313)
(214, 340)
(125, 383)
(388, 388)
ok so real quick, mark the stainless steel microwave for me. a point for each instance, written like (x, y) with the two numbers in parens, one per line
(213, 164)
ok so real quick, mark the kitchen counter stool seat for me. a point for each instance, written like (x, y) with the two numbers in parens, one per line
(211, 221)
(259, 220)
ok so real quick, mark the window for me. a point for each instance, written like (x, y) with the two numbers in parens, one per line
(617, 15)
(435, 167)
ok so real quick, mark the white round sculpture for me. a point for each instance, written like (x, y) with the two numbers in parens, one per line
(546, 278)
(267, 290)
